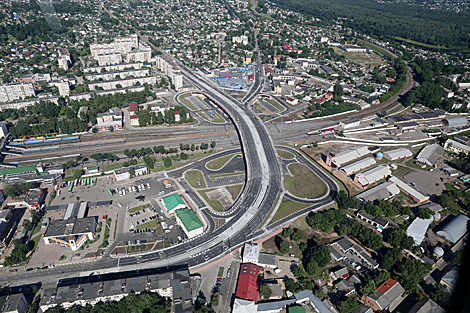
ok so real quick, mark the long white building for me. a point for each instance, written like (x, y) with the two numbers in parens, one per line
(12, 92)
(171, 69)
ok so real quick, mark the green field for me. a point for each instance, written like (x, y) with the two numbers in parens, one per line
(215, 204)
(235, 190)
(138, 208)
(304, 183)
(285, 155)
(286, 208)
(420, 44)
(152, 224)
(262, 109)
(193, 176)
(159, 168)
(218, 163)
(110, 167)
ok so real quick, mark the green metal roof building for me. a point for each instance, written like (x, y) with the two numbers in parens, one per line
(17, 170)
(173, 202)
(189, 222)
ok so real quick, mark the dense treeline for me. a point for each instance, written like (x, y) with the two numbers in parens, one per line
(148, 302)
(435, 27)
(431, 91)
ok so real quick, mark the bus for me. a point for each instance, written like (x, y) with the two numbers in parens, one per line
(94, 181)
(110, 193)
(70, 188)
(88, 182)
(76, 183)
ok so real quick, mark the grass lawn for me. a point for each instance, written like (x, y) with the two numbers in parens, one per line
(286, 208)
(402, 171)
(304, 183)
(411, 163)
(110, 167)
(193, 176)
(36, 241)
(218, 163)
(275, 104)
(262, 109)
(399, 108)
(138, 208)
(215, 204)
(37, 229)
(214, 176)
(185, 100)
(285, 155)
(235, 190)
(152, 224)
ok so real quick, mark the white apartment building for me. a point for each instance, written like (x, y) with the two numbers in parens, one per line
(118, 74)
(12, 92)
(108, 59)
(171, 69)
(129, 82)
(112, 68)
(64, 59)
(240, 39)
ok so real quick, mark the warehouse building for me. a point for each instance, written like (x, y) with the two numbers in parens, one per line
(338, 159)
(371, 176)
(410, 191)
(378, 222)
(430, 154)
(383, 191)
(455, 122)
(408, 127)
(397, 154)
(357, 166)
(455, 229)
(418, 229)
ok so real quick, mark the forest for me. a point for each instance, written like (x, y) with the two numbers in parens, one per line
(382, 20)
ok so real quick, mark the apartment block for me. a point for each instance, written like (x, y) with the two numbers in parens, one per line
(12, 92)
(65, 61)
(171, 69)
(112, 68)
(118, 74)
(129, 82)
(108, 59)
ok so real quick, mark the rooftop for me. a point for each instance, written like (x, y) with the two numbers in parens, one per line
(172, 201)
(189, 219)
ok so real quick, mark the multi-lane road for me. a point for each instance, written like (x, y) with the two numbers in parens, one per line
(262, 187)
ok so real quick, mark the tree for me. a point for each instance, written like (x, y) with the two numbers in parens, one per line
(297, 235)
(424, 213)
(287, 232)
(292, 286)
(77, 173)
(132, 172)
(27, 225)
(299, 271)
(213, 144)
(265, 291)
(319, 293)
(167, 162)
(312, 267)
(368, 288)
(349, 305)
(193, 147)
(284, 247)
(215, 299)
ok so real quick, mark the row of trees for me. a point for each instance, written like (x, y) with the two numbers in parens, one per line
(147, 117)
(18, 189)
(329, 108)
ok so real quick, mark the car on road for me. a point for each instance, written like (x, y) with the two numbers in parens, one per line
(161, 192)
(168, 231)
(14, 270)
(228, 273)
(29, 269)
(119, 204)
(414, 185)
(179, 238)
(171, 226)
(148, 185)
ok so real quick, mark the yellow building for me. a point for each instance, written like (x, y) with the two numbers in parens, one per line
(456, 147)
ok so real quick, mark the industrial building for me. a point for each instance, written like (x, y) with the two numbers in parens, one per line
(418, 229)
(455, 229)
(456, 147)
(340, 248)
(378, 222)
(455, 122)
(383, 191)
(430, 154)
(397, 154)
(357, 166)
(338, 159)
(410, 191)
(368, 177)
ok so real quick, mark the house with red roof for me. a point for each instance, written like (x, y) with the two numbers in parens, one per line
(387, 296)
(133, 108)
(247, 287)
(288, 48)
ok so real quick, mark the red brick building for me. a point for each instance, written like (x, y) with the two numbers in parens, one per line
(247, 287)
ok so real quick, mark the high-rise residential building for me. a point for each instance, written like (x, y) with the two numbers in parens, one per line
(12, 92)
(171, 69)
(65, 61)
